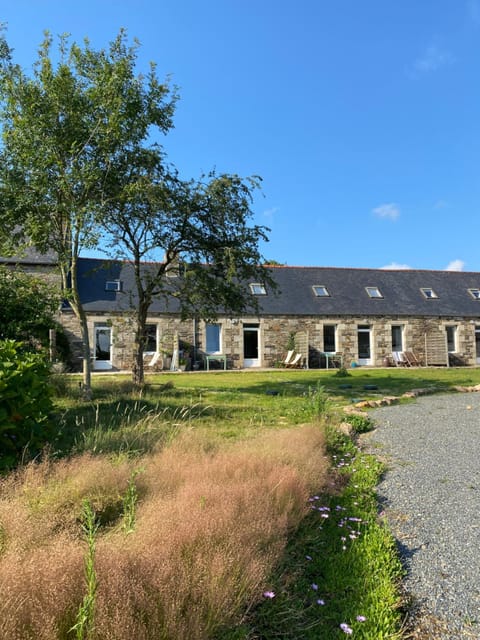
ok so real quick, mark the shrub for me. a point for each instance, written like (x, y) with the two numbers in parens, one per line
(361, 424)
(26, 405)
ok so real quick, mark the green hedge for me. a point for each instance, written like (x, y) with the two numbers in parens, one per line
(25, 403)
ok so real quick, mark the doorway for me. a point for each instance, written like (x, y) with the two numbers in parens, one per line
(103, 348)
(251, 345)
(477, 343)
(364, 344)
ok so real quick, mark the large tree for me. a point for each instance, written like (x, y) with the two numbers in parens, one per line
(64, 127)
(202, 229)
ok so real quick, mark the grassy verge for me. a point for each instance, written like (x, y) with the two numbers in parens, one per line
(340, 573)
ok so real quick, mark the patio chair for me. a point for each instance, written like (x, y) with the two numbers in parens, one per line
(154, 360)
(296, 362)
(399, 359)
(289, 357)
(411, 358)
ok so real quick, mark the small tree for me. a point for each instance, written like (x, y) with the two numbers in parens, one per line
(204, 224)
(63, 130)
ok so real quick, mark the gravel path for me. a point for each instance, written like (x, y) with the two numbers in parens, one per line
(431, 498)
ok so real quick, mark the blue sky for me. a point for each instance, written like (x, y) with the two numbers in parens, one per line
(362, 117)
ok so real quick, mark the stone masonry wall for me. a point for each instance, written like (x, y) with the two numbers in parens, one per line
(275, 334)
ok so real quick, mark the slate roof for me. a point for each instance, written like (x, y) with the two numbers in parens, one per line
(30, 256)
(401, 291)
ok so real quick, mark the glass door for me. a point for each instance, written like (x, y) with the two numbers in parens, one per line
(250, 345)
(364, 346)
(103, 348)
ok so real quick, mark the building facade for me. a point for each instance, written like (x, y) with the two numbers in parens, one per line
(361, 315)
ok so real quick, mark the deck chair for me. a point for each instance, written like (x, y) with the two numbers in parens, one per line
(296, 362)
(411, 359)
(154, 360)
(289, 357)
(399, 359)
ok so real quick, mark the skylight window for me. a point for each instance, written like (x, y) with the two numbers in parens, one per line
(429, 293)
(320, 291)
(374, 292)
(475, 293)
(113, 285)
(258, 289)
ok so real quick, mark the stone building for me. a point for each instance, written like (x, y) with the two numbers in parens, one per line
(361, 315)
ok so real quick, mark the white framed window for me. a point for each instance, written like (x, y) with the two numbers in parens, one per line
(258, 289)
(397, 337)
(475, 293)
(213, 338)
(151, 342)
(113, 285)
(428, 293)
(320, 291)
(451, 338)
(374, 292)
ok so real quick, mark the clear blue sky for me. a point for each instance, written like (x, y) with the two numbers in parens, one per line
(361, 116)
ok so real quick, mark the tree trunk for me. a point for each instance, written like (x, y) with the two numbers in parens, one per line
(138, 370)
(69, 278)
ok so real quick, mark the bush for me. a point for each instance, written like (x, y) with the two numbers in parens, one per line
(26, 405)
(361, 424)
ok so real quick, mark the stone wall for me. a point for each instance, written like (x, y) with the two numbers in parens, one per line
(275, 334)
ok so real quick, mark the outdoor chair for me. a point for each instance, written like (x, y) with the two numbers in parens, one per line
(289, 357)
(154, 360)
(296, 362)
(411, 359)
(399, 359)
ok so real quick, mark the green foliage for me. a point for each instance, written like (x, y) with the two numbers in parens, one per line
(361, 424)
(342, 373)
(84, 626)
(318, 401)
(130, 500)
(28, 306)
(25, 406)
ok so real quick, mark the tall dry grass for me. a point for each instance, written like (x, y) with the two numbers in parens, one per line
(209, 528)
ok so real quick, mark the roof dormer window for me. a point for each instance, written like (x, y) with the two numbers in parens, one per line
(374, 292)
(113, 285)
(258, 289)
(320, 291)
(475, 293)
(429, 293)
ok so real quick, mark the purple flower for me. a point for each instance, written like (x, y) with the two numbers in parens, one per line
(320, 601)
(269, 594)
(346, 629)
(315, 586)
(361, 618)
(308, 557)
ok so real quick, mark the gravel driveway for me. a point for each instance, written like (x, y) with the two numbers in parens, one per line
(431, 498)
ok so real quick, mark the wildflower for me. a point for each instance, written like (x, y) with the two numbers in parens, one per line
(320, 601)
(308, 557)
(315, 586)
(269, 594)
(361, 618)
(346, 629)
